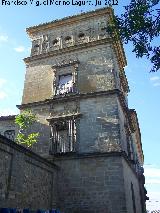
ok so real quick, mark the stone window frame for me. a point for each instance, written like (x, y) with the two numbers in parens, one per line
(72, 69)
(56, 42)
(81, 35)
(36, 47)
(61, 123)
(82, 38)
(68, 39)
(58, 84)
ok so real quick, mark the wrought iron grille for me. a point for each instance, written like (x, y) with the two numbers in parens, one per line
(63, 136)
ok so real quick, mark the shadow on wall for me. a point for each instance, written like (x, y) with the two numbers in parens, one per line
(42, 147)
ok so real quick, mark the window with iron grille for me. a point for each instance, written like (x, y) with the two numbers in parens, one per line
(63, 136)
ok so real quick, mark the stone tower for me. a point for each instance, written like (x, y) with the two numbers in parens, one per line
(76, 84)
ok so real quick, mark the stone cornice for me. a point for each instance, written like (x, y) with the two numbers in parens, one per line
(63, 117)
(69, 20)
(118, 47)
(74, 155)
(68, 97)
(65, 64)
(123, 80)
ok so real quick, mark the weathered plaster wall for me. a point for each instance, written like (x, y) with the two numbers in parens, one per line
(38, 83)
(26, 179)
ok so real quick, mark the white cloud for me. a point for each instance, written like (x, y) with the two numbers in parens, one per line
(29, 49)
(153, 203)
(2, 82)
(19, 49)
(8, 111)
(152, 171)
(3, 38)
(156, 84)
(152, 181)
(155, 81)
(155, 78)
(3, 95)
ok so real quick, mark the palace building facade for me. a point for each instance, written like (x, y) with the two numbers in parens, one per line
(76, 85)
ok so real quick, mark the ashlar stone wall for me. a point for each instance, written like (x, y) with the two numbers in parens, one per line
(96, 183)
(130, 178)
(99, 124)
(94, 72)
(26, 179)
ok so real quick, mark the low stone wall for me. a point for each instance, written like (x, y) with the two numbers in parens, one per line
(26, 179)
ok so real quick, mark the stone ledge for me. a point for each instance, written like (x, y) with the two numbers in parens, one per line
(69, 97)
(74, 155)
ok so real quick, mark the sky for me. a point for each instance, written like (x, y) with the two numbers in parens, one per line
(144, 86)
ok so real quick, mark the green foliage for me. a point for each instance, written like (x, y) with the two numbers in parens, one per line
(27, 140)
(25, 121)
(140, 24)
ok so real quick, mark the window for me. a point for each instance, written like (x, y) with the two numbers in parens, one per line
(68, 39)
(65, 77)
(55, 42)
(82, 38)
(10, 134)
(63, 135)
(81, 35)
(133, 198)
(65, 84)
(36, 46)
(103, 29)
